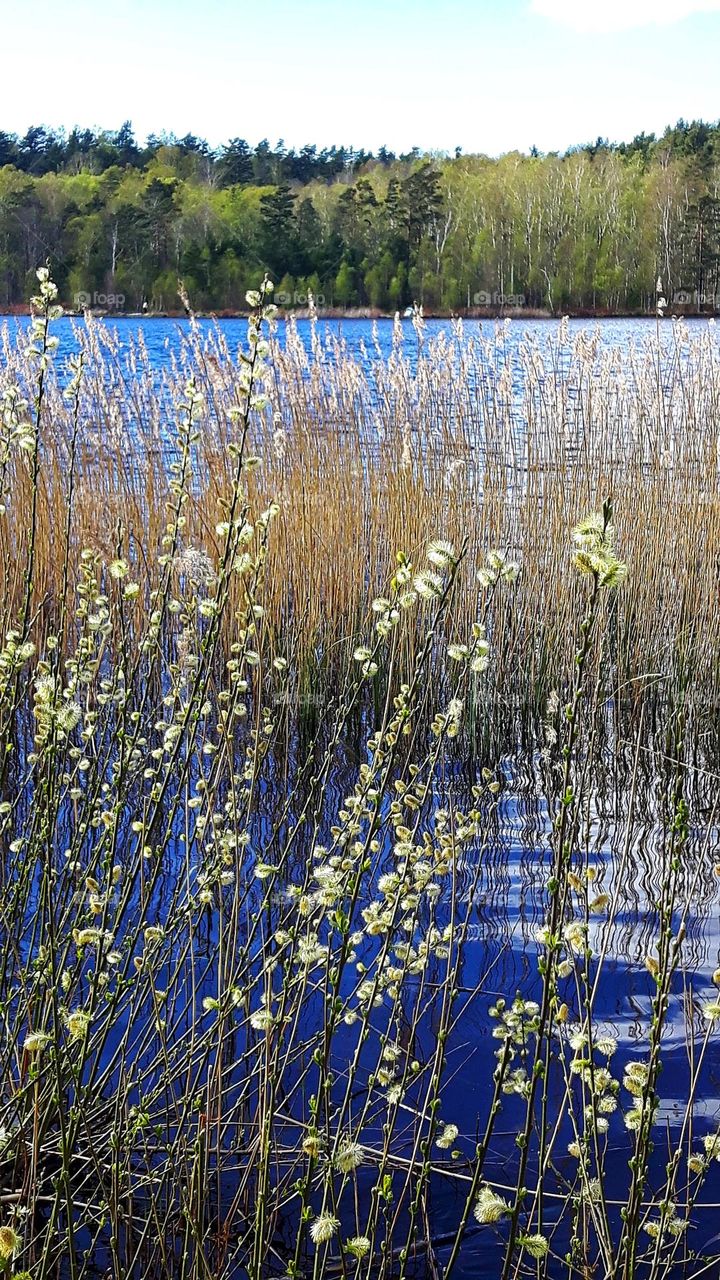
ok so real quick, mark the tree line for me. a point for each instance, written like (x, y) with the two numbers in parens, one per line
(589, 229)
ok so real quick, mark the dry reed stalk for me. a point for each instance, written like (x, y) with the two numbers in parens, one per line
(507, 441)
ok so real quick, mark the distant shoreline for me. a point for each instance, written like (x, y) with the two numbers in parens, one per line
(368, 313)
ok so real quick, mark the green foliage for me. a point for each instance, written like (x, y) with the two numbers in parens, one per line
(591, 229)
(345, 285)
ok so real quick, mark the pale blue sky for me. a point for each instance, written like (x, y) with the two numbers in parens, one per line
(486, 76)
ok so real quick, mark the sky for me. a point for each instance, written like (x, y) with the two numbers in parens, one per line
(484, 75)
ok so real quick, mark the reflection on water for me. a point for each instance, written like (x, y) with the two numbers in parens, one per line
(498, 905)
(500, 892)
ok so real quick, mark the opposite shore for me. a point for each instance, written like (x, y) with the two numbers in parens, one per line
(370, 313)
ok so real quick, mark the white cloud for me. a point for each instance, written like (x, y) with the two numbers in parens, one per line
(620, 15)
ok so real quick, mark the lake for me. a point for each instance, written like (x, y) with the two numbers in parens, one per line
(503, 886)
(164, 337)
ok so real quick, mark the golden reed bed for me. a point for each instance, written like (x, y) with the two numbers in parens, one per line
(506, 440)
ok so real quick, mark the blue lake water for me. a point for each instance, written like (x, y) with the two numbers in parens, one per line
(163, 337)
(510, 891)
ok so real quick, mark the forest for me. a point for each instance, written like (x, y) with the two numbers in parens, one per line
(585, 231)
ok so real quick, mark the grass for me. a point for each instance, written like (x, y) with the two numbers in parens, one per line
(248, 823)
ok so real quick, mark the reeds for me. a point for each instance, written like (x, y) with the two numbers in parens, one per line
(254, 859)
(367, 456)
